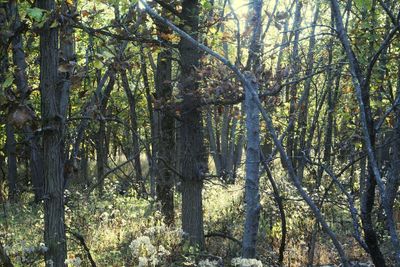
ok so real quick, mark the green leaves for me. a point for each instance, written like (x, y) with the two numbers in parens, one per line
(38, 16)
(35, 13)
(364, 4)
(8, 81)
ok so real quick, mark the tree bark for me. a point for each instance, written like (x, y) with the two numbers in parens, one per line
(252, 195)
(295, 62)
(101, 144)
(11, 162)
(54, 230)
(192, 150)
(134, 131)
(21, 82)
(165, 134)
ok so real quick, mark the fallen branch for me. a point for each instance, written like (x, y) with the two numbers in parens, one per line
(81, 240)
(223, 235)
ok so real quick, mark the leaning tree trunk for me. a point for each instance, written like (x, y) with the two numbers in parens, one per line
(192, 150)
(54, 228)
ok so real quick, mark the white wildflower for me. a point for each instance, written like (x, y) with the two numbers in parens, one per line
(240, 262)
(143, 262)
(76, 262)
(208, 263)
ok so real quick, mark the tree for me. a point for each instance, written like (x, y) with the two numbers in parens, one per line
(192, 153)
(52, 124)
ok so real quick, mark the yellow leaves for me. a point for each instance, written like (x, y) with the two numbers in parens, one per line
(54, 24)
(347, 90)
(69, 2)
(170, 37)
(97, 64)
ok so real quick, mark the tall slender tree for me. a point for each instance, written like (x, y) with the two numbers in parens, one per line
(52, 130)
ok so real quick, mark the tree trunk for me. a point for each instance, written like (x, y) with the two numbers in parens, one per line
(54, 230)
(101, 144)
(303, 112)
(153, 151)
(295, 62)
(134, 131)
(192, 150)
(11, 162)
(165, 134)
(21, 81)
(252, 195)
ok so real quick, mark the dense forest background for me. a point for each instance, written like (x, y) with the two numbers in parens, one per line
(199, 133)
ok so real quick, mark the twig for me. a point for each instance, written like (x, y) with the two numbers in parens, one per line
(81, 240)
(223, 235)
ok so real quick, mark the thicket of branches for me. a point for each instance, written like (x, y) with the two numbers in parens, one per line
(295, 104)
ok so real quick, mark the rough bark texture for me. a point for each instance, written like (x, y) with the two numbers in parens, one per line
(192, 151)
(54, 230)
(165, 135)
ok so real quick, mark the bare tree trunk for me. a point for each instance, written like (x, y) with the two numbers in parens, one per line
(153, 151)
(252, 195)
(21, 81)
(303, 114)
(101, 145)
(54, 228)
(11, 162)
(165, 134)
(192, 150)
(295, 62)
(134, 131)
